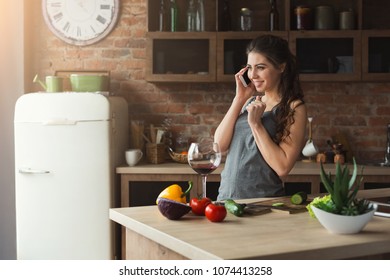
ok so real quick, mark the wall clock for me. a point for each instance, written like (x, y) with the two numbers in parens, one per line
(80, 22)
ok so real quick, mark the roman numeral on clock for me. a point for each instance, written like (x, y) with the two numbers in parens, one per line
(58, 17)
(101, 19)
(66, 27)
(56, 4)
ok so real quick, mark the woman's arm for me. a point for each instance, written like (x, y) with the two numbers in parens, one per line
(281, 158)
(224, 132)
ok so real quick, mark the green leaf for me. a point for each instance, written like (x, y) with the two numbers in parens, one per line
(354, 174)
(326, 180)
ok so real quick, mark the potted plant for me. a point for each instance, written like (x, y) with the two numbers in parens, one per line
(340, 211)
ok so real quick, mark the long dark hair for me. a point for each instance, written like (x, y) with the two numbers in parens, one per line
(277, 51)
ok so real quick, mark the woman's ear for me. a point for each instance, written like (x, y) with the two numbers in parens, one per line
(282, 67)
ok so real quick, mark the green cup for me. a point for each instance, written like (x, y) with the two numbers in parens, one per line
(54, 84)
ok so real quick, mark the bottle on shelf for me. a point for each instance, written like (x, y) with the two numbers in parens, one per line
(200, 16)
(191, 16)
(172, 16)
(273, 16)
(226, 22)
(162, 17)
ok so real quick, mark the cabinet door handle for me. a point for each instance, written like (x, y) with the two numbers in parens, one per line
(33, 171)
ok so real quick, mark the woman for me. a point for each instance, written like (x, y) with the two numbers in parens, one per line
(263, 134)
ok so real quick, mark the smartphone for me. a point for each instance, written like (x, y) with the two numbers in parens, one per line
(245, 79)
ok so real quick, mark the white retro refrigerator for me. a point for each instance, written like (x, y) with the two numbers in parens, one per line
(67, 146)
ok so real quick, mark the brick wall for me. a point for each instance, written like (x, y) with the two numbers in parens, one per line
(359, 111)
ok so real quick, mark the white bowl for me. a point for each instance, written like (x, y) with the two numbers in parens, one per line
(339, 224)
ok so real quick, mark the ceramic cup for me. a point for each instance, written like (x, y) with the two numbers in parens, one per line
(54, 84)
(310, 149)
(133, 156)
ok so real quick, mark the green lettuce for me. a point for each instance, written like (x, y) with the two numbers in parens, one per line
(325, 203)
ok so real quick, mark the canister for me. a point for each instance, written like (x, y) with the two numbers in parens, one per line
(347, 20)
(324, 18)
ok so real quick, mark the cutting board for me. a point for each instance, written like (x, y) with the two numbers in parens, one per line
(287, 206)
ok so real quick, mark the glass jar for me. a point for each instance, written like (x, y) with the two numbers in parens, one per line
(303, 18)
(245, 19)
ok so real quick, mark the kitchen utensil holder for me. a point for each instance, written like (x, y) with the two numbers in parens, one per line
(155, 153)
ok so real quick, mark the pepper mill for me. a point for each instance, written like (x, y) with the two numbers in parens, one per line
(387, 154)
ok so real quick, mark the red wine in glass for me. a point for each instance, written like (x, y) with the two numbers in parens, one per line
(203, 169)
(204, 157)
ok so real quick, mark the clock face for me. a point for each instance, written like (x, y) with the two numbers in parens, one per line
(80, 22)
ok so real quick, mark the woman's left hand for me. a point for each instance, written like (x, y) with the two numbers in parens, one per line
(255, 111)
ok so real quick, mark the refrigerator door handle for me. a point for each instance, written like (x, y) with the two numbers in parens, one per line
(33, 171)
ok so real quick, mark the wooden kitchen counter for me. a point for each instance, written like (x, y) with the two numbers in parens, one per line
(174, 172)
(273, 235)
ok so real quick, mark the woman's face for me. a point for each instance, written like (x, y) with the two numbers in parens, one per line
(263, 73)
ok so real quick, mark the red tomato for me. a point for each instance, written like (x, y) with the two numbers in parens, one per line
(199, 205)
(215, 213)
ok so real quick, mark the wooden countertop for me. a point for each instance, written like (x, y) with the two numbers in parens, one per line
(269, 236)
(300, 168)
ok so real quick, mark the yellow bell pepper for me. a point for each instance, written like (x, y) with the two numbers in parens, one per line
(175, 192)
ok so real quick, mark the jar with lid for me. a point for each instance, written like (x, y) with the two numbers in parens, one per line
(324, 18)
(303, 18)
(347, 20)
(245, 19)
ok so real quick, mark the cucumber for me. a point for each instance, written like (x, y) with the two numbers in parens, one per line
(277, 204)
(234, 208)
(298, 198)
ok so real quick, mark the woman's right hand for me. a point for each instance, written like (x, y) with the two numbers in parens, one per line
(243, 92)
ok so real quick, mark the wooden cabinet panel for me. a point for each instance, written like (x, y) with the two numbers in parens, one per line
(214, 56)
(327, 55)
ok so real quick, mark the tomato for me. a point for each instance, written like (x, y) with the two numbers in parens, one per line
(198, 206)
(215, 213)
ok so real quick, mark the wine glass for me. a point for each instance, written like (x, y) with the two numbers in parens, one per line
(204, 157)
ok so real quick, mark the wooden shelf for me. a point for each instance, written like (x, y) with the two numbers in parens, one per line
(214, 56)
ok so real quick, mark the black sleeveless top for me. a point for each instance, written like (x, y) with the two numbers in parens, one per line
(246, 174)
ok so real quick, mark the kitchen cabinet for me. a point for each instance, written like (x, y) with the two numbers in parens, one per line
(181, 56)
(376, 56)
(327, 55)
(231, 52)
(358, 54)
(203, 56)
